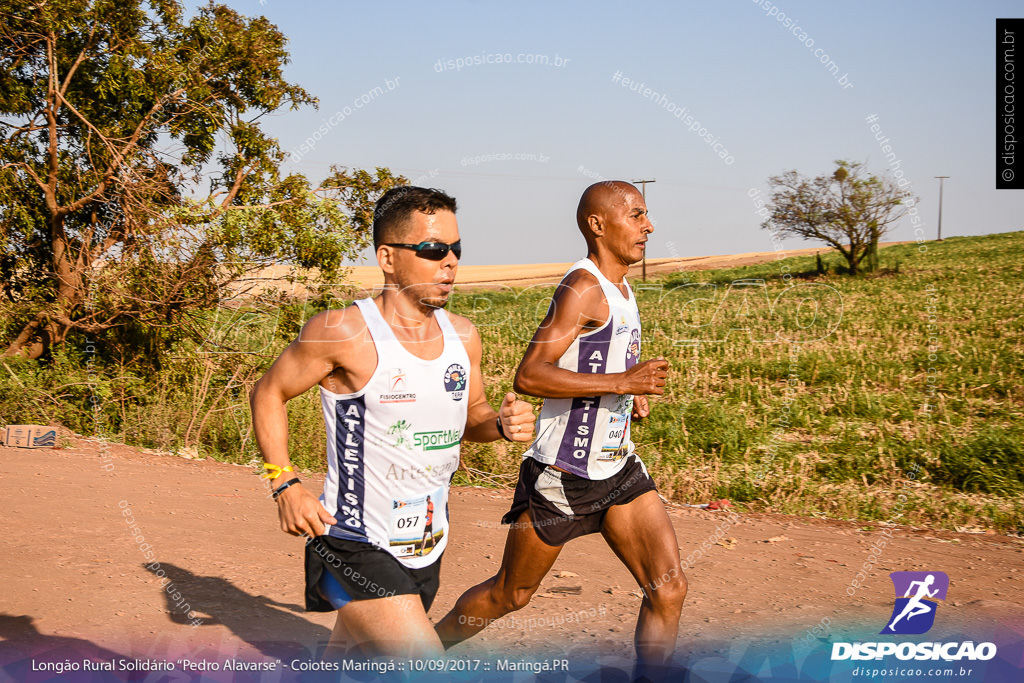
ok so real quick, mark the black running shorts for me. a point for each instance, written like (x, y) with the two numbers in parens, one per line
(339, 571)
(563, 506)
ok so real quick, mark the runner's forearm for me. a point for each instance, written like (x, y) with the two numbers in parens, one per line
(550, 381)
(270, 426)
(484, 429)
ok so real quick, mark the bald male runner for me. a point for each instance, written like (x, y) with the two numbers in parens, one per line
(582, 474)
(397, 401)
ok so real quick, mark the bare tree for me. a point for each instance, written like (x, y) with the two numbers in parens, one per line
(850, 210)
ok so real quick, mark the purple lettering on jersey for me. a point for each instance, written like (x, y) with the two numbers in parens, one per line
(574, 450)
(348, 440)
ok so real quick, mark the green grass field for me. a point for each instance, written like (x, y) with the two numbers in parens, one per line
(892, 397)
(895, 396)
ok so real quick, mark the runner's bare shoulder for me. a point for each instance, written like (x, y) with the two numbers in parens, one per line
(342, 328)
(579, 294)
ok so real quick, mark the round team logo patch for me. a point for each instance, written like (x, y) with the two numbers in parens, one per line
(455, 381)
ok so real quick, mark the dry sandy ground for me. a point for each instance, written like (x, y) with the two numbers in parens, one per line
(75, 582)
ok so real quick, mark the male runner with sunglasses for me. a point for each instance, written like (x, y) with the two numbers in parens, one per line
(401, 387)
(581, 475)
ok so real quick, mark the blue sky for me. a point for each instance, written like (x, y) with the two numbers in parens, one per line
(752, 82)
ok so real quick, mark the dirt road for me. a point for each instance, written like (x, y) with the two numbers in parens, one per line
(83, 523)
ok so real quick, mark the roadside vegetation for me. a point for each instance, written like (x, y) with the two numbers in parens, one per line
(794, 387)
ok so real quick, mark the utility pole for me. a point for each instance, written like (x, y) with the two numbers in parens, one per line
(643, 191)
(941, 179)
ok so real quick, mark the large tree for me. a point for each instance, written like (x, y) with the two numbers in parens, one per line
(849, 209)
(135, 180)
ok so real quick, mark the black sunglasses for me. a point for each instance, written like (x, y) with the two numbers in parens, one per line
(432, 251)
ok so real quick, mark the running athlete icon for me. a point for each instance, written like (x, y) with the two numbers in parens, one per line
(397, 402)
(582, 474)
(916, 606)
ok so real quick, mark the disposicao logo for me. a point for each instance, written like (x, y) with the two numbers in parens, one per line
(917, 596)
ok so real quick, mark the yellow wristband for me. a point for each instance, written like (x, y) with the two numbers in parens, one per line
(274, 471)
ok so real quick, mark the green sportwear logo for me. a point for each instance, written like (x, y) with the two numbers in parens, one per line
(435, 441)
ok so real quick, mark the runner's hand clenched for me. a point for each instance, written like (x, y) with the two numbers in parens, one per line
(646, 378)
(641, 407)
(517, 418)
(301, 513)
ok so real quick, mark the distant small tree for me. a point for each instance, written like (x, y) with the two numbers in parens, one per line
(850, 210)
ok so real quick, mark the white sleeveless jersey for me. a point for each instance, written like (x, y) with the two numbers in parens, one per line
(589, 435)
(393, 446)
